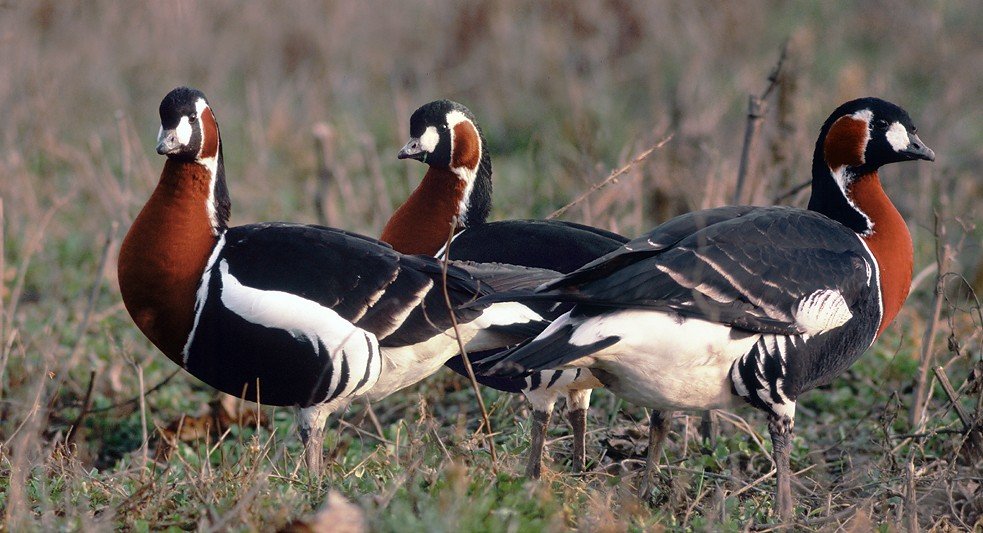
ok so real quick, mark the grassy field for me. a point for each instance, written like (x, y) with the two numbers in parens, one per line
(565, 92)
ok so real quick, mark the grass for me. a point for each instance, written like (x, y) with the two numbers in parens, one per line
(565, 93)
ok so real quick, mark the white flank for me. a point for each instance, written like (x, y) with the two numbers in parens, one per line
(822, 311)
(663, 361)
(897, 135)
(305, 320)
(505, 313)
(429, 139)
(499, 314)
(202, 295)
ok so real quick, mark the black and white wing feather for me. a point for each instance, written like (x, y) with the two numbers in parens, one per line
(769, 270)
(301, 311)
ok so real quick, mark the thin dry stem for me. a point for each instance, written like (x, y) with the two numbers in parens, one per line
(109, 243)
(464, 353)
(325, 201)
(86, 404)
(942, 257)
(611, 178)
(757, 106)
(145, 439)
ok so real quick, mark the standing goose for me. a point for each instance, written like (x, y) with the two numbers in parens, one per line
(746, 304)
(457, 189)
(285, 314)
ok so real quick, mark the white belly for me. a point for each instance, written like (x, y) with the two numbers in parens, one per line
(663, 361)
(405, 366)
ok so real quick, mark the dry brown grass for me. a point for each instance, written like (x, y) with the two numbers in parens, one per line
(565, 92)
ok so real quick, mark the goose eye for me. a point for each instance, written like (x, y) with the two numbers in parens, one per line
(880, 124)
(193, 118)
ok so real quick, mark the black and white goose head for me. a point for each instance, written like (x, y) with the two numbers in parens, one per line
(445, 135)
(857, 139)
(189, 134)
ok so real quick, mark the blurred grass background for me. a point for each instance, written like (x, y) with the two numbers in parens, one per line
(564, 92)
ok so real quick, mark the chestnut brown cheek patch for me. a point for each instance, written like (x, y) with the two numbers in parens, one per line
(467, 150)
(209, 130)
(845, 143)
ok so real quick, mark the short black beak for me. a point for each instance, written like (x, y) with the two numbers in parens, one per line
(917, 150)
(412, 150)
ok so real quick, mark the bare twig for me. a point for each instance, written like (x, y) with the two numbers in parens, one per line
(107, 247)
(138, 398)
(86, 404)
(953, 397)
(910, 497)
(464, 353)
(921, 276)
(360, 431)
(973, 434)
(756, 108)
(791, 192)
(145, 439)
(371, 414)
(942, 257)
(324, 198)
(611, 177)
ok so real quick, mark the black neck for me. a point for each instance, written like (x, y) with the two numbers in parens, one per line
(223, 203)
(827, 197)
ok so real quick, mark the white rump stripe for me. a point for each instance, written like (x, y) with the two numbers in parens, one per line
(304, 319)
(822, 311)
(299, 316)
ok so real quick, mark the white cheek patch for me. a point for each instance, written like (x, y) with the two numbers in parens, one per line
(184, 131)
(429, 139)
(897, 135)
